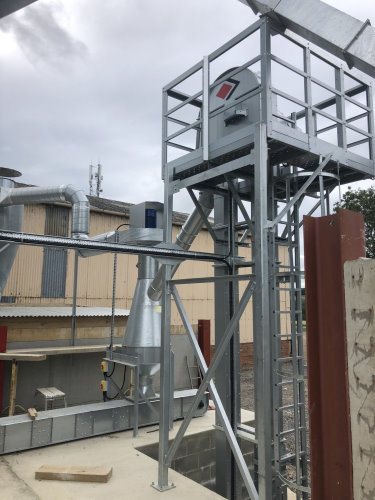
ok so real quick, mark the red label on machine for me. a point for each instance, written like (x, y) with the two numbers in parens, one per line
(227, 89)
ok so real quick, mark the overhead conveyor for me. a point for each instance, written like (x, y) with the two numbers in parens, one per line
(331, 29)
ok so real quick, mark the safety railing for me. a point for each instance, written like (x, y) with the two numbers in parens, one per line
(343, 117)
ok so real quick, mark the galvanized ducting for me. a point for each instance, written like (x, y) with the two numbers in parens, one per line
(184, 239)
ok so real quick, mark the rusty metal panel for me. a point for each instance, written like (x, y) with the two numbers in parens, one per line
(329, 243)
(204, 339)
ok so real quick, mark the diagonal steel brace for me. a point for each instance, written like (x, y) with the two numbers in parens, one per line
(207, 380)
(300, 192)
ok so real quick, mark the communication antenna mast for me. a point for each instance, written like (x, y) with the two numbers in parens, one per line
(95, 176)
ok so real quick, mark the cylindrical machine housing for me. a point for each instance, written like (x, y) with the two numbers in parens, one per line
(10, 220)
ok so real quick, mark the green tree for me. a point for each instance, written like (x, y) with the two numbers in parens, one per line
(363, 201)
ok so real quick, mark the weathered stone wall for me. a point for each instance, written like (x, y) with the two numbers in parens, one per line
(360, 333)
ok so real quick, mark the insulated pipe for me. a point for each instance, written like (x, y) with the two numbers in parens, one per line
(184, 239)
(63, 193)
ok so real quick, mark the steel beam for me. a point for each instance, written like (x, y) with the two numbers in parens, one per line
(60, 242)
(9, 6)
(329, 242)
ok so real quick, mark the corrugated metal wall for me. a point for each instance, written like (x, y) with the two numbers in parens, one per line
(95, 274)
(55, 259)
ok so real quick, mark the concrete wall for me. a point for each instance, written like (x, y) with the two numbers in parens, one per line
(360, 332)
(79, 375)
(196, 458)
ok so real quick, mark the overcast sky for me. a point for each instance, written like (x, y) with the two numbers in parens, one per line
(81, 82)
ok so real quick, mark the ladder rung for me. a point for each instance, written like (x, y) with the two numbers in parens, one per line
(290, 431)
(289, 358)
(287, 289)
(247, 435)
(291, 456)
(285, 433)
(285, 382)
(288, 407)
(287, 457)
(284, 335)
(288, 382)
(246, 428)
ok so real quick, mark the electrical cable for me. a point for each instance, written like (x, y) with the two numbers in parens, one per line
(107, 398)
(114, 281)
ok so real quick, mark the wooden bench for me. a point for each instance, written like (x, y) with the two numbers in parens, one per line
(51, 394)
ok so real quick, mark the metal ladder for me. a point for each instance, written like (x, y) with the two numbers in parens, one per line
(290, 439)
(194, 372)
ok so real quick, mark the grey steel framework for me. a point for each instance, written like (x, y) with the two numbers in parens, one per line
(19, 433)
(271, 165)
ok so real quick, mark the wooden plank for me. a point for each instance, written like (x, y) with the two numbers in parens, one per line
(13, 388)
(32, 413)
(49, 351)
(97, 474)
(7, 356)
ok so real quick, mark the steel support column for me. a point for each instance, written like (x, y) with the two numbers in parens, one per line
(3, 348)
(227, 375)
(262, 330)
(165, 348)
(329, 242)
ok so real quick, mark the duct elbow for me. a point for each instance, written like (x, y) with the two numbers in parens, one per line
(80, 211)
(63, 193)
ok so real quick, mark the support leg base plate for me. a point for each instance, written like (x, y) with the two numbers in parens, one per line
(169, 486)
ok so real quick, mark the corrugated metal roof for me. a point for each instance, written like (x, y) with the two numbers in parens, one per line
(57, 312)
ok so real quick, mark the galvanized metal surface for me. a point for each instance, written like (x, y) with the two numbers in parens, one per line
(247, 161)
(331, 29)
(329, 242)
(10, 219)
(63, 193)
(55, 259)
(57, 312)
(76, 422)
(185, 238)
(54, 241)
(9, 6)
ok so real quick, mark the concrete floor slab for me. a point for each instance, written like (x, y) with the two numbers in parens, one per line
(133, 471)
(132, 475)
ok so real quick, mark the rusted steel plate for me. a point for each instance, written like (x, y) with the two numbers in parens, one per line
(329, 242)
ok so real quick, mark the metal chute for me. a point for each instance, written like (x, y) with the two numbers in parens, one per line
(331, 29)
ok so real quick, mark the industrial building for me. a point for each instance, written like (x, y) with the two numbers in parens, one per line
(259, 147)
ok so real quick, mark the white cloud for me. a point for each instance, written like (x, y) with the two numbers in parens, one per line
(83, 84)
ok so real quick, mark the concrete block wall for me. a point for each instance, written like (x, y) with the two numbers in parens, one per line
(79, 375)
(196, 458)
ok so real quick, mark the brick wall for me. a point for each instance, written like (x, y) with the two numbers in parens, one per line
(247, 353)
